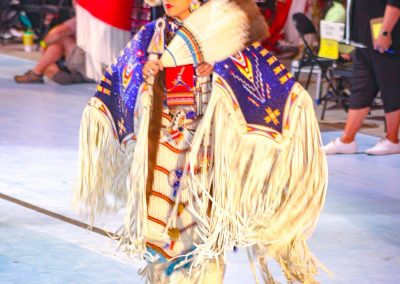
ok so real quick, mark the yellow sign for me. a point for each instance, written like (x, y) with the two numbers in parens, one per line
(331, 34)
(329, 48)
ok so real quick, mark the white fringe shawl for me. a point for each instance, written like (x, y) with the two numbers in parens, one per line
(262, 192)
(265, 195)
(103, 164)
(112, 176)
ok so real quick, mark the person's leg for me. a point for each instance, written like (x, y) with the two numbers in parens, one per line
(392, 125)
(51, 71)
(50, 56)
(363, 92)
(72, 76)
(354, 121)
(390, 145)
(387, 70)
(68, 43)
(54, 53)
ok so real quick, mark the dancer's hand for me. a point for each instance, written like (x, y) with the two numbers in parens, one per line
(205, 69)
(151, 68)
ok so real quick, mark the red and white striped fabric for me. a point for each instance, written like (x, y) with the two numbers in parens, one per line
(103, 31)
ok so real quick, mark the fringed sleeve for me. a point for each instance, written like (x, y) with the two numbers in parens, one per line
(264, 185)
(109, 126)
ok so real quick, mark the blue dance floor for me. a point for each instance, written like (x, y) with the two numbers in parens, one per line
(357, 238)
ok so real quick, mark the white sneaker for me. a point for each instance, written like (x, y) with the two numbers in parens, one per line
(338, 147)
(384, 147)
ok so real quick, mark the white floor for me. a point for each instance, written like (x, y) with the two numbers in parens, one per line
(358, 236)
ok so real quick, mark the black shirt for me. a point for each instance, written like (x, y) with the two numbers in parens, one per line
(362, 13)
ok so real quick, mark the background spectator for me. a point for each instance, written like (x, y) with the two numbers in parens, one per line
(376, 69)
(60, 42)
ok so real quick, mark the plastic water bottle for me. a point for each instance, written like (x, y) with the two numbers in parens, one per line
(27, 40)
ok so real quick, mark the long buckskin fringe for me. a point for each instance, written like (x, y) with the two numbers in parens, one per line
(100, 185)
(110, 178)
(135, 224)
(263, 192)
(255, 192)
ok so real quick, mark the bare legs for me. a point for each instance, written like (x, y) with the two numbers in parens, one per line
(54, 52)
(393, 124)
(356, 118)
(353, 124)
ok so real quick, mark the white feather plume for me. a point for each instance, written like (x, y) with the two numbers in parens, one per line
(221, 28)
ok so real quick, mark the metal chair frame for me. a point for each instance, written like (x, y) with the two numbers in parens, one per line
(335, 91)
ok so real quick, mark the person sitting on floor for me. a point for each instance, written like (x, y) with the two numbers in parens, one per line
(60, 42)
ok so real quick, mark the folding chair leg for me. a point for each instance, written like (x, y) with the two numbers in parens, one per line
(309, 78)
(320, 88)
(324, 107)
(297, 74)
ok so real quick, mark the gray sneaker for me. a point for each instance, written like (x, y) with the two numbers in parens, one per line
(29, 77)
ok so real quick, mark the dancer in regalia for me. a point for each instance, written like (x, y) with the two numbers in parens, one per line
(208, 155)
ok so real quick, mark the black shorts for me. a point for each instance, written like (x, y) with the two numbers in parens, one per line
(372, 73)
